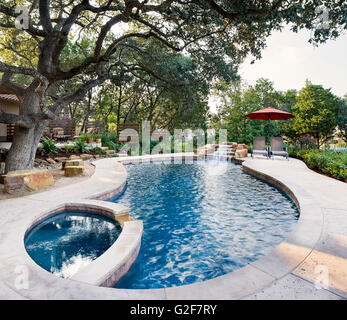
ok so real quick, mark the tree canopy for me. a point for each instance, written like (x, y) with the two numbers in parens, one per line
(315, 113)
(110, 40)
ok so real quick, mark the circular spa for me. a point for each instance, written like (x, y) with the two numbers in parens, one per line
(65, 243)
(200, 221)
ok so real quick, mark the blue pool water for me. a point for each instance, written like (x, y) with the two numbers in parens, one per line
(201, 220)
(65, 243)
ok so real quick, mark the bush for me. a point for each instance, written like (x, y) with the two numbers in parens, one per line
(48, 145)
(81, 145)
(329, 162)
(109, 140)
(69, 148)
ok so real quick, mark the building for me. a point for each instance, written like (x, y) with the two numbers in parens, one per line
(9, 103)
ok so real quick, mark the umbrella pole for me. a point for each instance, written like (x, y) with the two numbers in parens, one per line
(268, 131)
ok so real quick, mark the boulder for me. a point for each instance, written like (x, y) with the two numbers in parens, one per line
(50, 161)
(241, 146)
(23, 180)
(74, 157)
(110, 153)
(241, 153)
(72, 163)
(60, 159)
(86, 156)
(74, 171)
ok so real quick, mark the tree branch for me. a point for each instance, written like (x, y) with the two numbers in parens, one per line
(19, 120)
(45, 16)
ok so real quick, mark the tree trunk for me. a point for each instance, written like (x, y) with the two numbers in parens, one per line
(25, 140)
(87, 112)
(119, 106)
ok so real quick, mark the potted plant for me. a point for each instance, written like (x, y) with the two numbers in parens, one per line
(97, 138)
(89, 138)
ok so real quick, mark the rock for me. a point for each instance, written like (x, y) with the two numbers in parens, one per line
(74, 171)
(110, 152)
(74, 157)
(86, 156)
(241, 146)
(22, 180)
(104, 148)
(97, 156)
(50, 161)
(243, 153)
(72, 163)
(43, 162)
(60, 159)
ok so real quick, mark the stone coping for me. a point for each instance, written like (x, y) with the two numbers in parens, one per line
(289, 271)
(115, 262)
(183, 156)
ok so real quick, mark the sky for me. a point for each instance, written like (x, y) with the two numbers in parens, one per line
(288, 60)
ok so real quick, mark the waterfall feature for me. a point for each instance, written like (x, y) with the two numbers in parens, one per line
(224, 152)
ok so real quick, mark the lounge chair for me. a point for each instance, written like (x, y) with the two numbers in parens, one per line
(259, 147)
(277, 148)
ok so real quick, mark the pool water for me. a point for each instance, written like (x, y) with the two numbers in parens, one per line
(65, 243)
(201, 221)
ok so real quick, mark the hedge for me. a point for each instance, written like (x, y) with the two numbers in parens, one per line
(328, 162)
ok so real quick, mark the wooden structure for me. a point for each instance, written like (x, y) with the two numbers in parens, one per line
(9, 103)
(127, 136)
(10, 132)
(93, 126)
(62, 128)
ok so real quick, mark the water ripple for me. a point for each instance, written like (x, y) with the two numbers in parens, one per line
(200, 224)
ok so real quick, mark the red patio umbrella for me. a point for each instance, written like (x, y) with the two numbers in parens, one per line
(269, 113)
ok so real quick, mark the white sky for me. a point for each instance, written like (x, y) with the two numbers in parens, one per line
(288, 60)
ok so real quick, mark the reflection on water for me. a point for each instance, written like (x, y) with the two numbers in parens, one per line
(65, 243)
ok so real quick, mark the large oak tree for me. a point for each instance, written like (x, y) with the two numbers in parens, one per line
(210, 31)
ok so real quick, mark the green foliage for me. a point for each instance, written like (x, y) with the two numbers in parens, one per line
(328, 162)
(315, 113)
(69, 148)
(109, 140)
(85, 136)
(237, 100)
(49, 145)
(81, 146)
(341, 118)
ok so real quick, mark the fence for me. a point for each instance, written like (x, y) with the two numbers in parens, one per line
(123, 126)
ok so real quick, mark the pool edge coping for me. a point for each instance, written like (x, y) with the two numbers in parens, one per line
(235, 285)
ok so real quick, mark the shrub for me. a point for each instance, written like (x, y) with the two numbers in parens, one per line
(48, 145)
(81, 146)
(329, 162)
(109, 140)
(69, 147)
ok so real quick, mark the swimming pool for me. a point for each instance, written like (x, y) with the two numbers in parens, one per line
(66, 242)
(201, 220)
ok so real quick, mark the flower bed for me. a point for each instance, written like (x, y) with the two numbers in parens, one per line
(328, 162)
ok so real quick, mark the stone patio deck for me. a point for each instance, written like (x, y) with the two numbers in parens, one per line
(317, 245)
